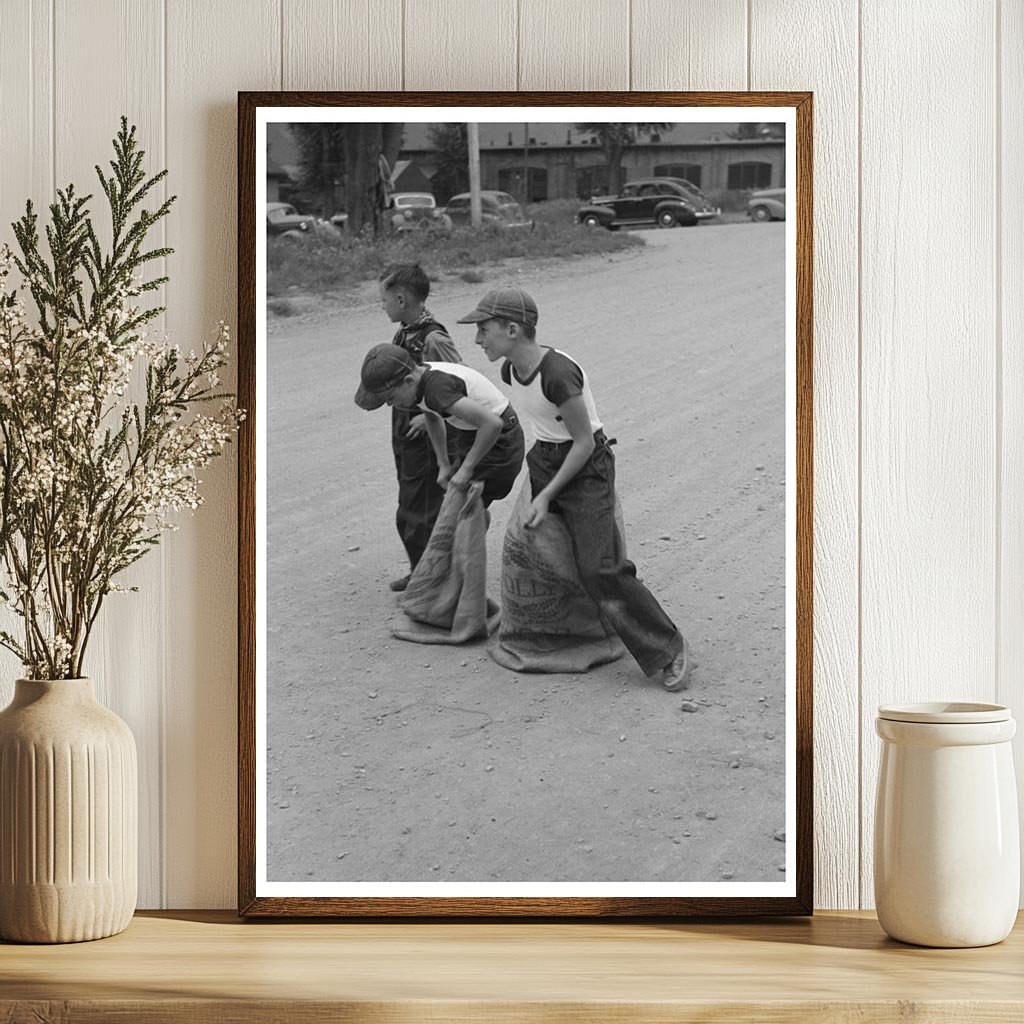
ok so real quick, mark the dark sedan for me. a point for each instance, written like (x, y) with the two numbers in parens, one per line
(667, 202)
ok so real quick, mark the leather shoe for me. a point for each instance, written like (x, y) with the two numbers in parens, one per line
(674, 675)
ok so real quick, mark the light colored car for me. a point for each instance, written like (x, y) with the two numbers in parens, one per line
(284, 219)
(416, 211)
(497, 209)
(768, 204)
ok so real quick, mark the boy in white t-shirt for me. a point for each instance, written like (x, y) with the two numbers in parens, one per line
(572, 474)
(485, 441)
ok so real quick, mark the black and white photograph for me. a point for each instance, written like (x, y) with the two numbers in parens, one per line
(525, 502)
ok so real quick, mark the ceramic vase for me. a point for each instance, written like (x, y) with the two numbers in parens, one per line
(947, 847)
(68, 815)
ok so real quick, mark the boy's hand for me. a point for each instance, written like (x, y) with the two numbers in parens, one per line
(462, 479)
(444, 476)
(537, 512)
(417, 425)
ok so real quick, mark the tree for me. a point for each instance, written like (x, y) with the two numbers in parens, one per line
(451, 140)
(348, 154)
(322, 166)
(365, 187)
(615, 139)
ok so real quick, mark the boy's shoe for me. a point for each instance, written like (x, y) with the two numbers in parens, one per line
(673, 676)
(400, 584)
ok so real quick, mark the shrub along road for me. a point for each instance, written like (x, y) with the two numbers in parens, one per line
(398, 762)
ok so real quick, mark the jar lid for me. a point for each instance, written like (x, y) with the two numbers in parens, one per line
(945, 713)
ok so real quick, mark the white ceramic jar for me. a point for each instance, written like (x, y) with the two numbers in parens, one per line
(947, 847)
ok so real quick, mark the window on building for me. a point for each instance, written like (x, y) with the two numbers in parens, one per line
(750, 174)
(510, 179)
(691, 172)
(592, 181)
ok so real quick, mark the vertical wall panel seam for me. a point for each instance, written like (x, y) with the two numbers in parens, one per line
(519, 45)
(162, 695)
(750, 47)
(280, 40)
(53, 97)
(629, 43)
(33, 170)
(859, 881)
(403, 11)
(998, 337)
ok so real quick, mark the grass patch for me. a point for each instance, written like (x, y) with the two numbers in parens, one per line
(282, 307)
(320, 265)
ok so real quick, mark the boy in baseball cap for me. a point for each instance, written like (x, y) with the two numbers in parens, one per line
(572, 475)
(485, 440)
(404, 288)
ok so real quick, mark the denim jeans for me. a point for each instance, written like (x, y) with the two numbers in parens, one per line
(587, 507)
(419, 495)
(499, 468)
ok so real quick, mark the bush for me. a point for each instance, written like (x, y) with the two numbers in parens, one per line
(320, 265)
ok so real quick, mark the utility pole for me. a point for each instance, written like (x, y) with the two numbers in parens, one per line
(473, 139)
(526, 163)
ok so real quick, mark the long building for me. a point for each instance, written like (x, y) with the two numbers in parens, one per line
(576, 168)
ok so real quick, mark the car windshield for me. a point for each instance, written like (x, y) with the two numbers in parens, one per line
(415, 199)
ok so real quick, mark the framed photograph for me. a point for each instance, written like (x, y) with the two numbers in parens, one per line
(525, 496)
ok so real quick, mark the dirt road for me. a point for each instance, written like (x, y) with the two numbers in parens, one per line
(398, 762)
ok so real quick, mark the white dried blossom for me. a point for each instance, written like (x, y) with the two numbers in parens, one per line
(102, 436)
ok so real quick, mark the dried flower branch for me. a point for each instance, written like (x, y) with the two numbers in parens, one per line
(89, 479)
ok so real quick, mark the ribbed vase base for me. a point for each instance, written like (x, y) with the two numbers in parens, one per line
(63, 913)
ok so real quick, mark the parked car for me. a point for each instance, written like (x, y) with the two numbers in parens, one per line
(666, 202)
(497, 209)
(416, 211)
(769, 204)
(284, 219)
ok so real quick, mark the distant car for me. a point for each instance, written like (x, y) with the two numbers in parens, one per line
(769, 204)
(416, 211)
(497, 209)
(284, 219)
(667, 202)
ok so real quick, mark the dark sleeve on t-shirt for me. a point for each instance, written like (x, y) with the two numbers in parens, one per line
(441, 391)
(560, 379)
(439, 348)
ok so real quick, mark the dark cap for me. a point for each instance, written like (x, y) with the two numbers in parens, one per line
(508, 303)
(384, 367)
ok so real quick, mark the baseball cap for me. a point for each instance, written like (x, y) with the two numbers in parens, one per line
(383, 368)
(508, 303)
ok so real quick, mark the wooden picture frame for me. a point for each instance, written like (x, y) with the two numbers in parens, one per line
(790, 890)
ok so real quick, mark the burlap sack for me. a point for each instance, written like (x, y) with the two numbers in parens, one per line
(446, 599)
(548, 623)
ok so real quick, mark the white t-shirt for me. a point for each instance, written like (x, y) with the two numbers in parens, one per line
(556, 379)
(444, 384)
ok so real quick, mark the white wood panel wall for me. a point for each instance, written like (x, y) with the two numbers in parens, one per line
(919, 323)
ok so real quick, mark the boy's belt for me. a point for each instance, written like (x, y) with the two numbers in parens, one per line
(599, 438)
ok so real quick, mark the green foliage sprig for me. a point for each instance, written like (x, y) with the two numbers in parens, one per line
(89, 478)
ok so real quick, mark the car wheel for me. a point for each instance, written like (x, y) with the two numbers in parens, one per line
(590, 221)
(667, 219)
(760, 213)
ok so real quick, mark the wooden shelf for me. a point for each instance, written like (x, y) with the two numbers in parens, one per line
(210, 967)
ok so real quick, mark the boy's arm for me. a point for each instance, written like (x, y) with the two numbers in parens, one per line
(577, 421)
(439, 348)
(488, 428)
(439, 442)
